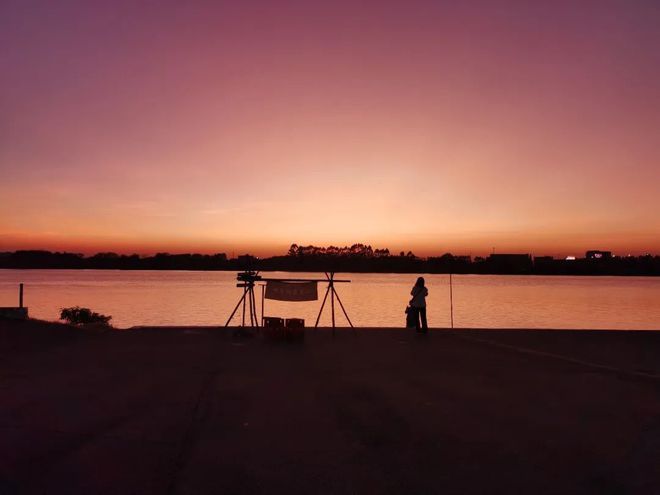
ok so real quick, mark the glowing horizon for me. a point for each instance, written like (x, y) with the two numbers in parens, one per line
(235, 249)
(422, 126)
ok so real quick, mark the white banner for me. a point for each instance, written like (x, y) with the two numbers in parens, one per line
(291, 291)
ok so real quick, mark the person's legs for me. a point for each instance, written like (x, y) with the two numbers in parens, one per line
(415, 313)
(422, 314)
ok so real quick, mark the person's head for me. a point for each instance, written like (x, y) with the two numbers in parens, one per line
(420, 282)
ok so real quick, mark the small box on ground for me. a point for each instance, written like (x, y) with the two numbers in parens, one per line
(289, 330)
(273, 328)
(14, 313)
(295, 329)
(273, 322)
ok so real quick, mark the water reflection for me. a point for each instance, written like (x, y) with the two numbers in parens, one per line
(207, 298)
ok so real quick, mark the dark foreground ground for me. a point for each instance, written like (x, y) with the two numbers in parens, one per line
(195, 412)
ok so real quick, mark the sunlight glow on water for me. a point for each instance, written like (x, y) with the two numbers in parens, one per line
(372, 300)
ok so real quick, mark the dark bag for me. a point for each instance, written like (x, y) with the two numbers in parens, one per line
(408, 308)
(411, 318)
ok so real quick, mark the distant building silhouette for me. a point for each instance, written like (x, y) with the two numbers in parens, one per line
(598, 255)
(510, 263)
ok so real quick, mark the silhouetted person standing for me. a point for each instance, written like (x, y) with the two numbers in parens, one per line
(418, 305)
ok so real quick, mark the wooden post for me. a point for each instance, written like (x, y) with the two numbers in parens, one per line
(20, 295)
(238, 305)
(263, 298)
(254, 307)
(344, 310)
(244, 301)
(318, 318)
(451, 301)
(252, 315)
(332, 300)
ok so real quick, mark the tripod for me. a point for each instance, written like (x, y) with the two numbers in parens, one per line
(247, 280)
(333, 293)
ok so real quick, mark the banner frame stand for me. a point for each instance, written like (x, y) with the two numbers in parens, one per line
(247, 280)
(333, 294)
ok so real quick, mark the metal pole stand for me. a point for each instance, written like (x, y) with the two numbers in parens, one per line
(333, 294)
(246, 281)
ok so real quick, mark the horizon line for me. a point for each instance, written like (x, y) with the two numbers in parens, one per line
(236, 254)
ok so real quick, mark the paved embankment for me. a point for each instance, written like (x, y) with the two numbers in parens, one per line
(193, 412)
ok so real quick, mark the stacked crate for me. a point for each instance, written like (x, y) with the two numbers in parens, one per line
(294, 330)
(279, 329)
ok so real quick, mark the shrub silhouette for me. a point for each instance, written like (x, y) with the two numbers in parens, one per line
(83, 316)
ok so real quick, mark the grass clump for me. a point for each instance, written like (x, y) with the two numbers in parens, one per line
(84, 316)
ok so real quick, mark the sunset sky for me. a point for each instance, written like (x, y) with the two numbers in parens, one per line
(244, 126)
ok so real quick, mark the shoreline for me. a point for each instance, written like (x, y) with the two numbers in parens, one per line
(320, 271)
(387, 329)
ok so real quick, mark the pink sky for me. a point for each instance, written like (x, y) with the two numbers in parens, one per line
(245, 126)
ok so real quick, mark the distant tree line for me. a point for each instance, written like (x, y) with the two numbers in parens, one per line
(114, 261)
(355, 258)
(356, 250)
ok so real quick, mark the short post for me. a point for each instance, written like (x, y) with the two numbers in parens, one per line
(20, 295)
(451, 302)
(332, 301)
(263, 287)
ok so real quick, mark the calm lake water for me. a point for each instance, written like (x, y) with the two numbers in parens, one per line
(372, 300)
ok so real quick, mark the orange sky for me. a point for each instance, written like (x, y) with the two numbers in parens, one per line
(246, 126)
